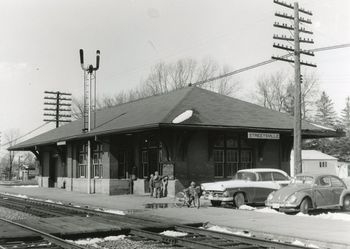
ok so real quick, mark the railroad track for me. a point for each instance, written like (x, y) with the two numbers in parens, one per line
(151, 230)
(43, 209)
(39, 240)
(197, 238)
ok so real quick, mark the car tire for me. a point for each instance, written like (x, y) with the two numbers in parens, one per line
(305, 206)
(239, 200)
(215, 203)
(346, 203)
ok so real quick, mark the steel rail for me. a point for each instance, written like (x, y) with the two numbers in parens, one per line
(241, 238)
(48, 237)
(178, 241)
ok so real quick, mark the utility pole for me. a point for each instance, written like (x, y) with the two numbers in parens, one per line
(19, 165)
(89, 104)
(62, 103)
(297, 20)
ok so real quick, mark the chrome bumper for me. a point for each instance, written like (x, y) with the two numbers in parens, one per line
(282, 207)
(216, 197)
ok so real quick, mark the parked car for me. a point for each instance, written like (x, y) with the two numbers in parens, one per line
(311, 191)
(248, 186)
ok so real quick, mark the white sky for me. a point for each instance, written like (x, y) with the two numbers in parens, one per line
(40, 40)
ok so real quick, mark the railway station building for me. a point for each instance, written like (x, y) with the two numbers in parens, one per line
(190, 134)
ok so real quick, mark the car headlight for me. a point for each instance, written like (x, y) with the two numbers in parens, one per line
(291, 199)
(226, 194)
(270, 196)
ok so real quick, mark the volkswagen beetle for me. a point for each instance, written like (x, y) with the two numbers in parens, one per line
(311, 191)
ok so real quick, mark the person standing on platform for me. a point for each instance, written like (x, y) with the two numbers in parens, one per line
(151, 185)
(165, 186)
(157, 179)
(133, 178)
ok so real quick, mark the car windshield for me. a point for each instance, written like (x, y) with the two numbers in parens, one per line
(303, 180)
(249, 176)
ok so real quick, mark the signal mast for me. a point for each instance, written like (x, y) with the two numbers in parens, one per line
(89, 121)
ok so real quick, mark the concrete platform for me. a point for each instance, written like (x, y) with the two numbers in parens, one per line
(72, 225)
(330, 233)
(9, 231)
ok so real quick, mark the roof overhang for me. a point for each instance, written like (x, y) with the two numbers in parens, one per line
(306, 134)
(82, 136)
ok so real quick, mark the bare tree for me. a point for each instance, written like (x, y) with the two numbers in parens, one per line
(77, 107)
(166, 77)
(227, 86)
(157, 81)
(11, 137)
(272, 91)
(309, 94)
(182, 72)
(277, 92)
(207, 69)
(28, 158)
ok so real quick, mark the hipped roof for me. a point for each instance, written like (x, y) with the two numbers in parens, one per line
(210, 110)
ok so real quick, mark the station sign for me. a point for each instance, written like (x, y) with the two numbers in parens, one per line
(262, 135)
(61, 143)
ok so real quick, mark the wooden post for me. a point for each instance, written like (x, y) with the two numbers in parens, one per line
(297, 95)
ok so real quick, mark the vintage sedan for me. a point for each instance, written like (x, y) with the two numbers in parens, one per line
(249, 186)
(311, 191)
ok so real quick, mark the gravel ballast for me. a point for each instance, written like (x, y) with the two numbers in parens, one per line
(14, 215)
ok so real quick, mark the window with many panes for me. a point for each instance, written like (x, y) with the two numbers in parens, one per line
(82, 162)
(225, 156)
(97, 167)
(230, 154)
(151, 156)
(246, 159)
(219, 163)
(123, 163)
(96, 155)
(232, 162)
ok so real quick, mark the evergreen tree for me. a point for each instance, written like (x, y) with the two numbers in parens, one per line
(325, 113)
(345, 117)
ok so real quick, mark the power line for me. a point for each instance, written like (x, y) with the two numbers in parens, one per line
(28, 133)
(331, 47)
(265, 63)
